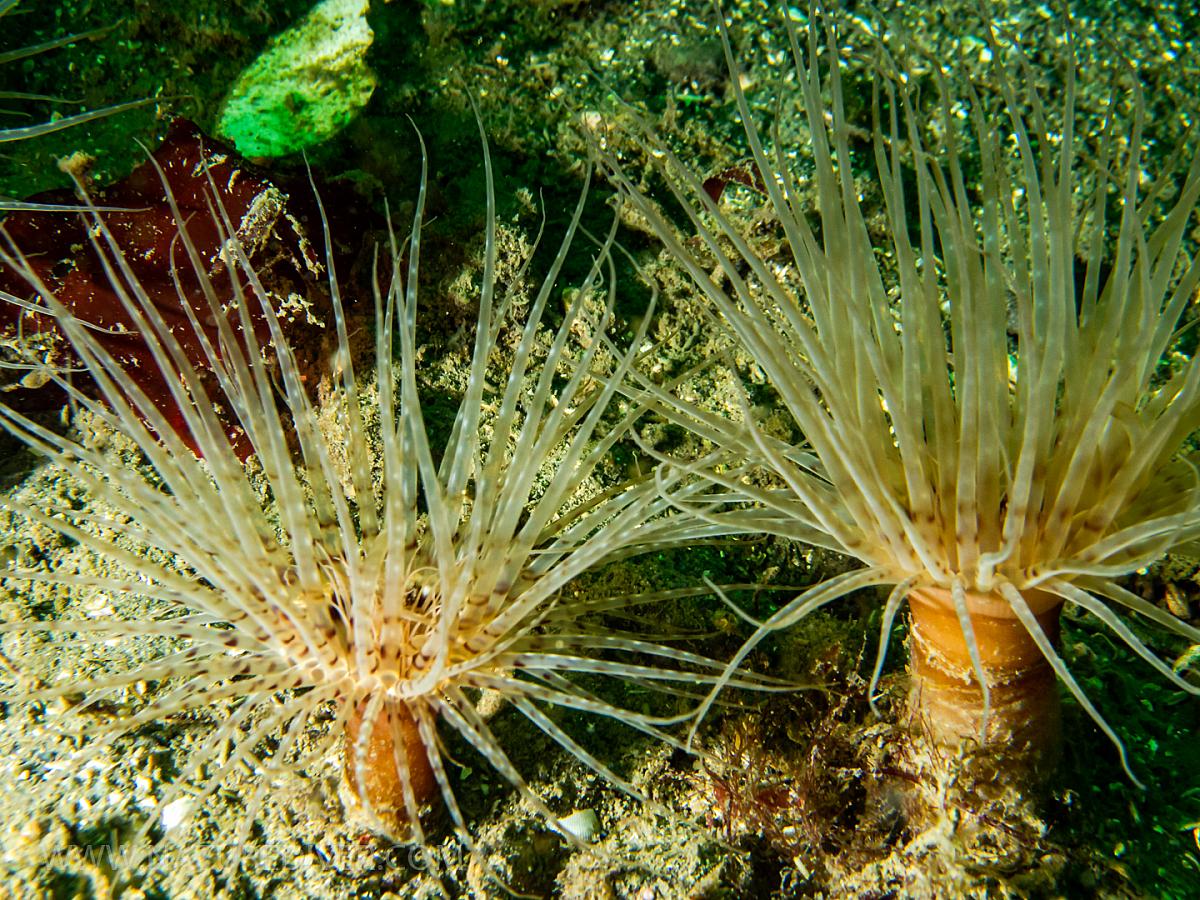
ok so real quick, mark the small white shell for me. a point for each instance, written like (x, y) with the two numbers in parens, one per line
(583, 824)
(175, 812)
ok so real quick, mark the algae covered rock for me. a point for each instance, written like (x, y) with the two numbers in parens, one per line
(306, 86)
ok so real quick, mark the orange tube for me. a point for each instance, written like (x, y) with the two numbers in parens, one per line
(382, 778)
(947, 699)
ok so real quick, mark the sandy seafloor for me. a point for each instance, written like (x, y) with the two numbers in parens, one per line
(808, 796)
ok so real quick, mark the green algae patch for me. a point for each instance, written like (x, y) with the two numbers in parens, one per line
(306, 86)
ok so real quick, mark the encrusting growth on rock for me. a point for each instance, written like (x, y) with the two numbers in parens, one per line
(265, 221)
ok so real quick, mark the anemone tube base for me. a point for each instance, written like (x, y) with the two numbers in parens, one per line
(382, 755)
(1019, 710)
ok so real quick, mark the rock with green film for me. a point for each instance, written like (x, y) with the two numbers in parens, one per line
(306, 86)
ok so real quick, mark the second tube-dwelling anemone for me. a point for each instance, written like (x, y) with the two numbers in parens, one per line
(987, 424)
(353, 572)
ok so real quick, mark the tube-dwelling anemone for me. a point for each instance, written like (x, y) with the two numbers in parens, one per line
(355, 576)
(989, 430)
